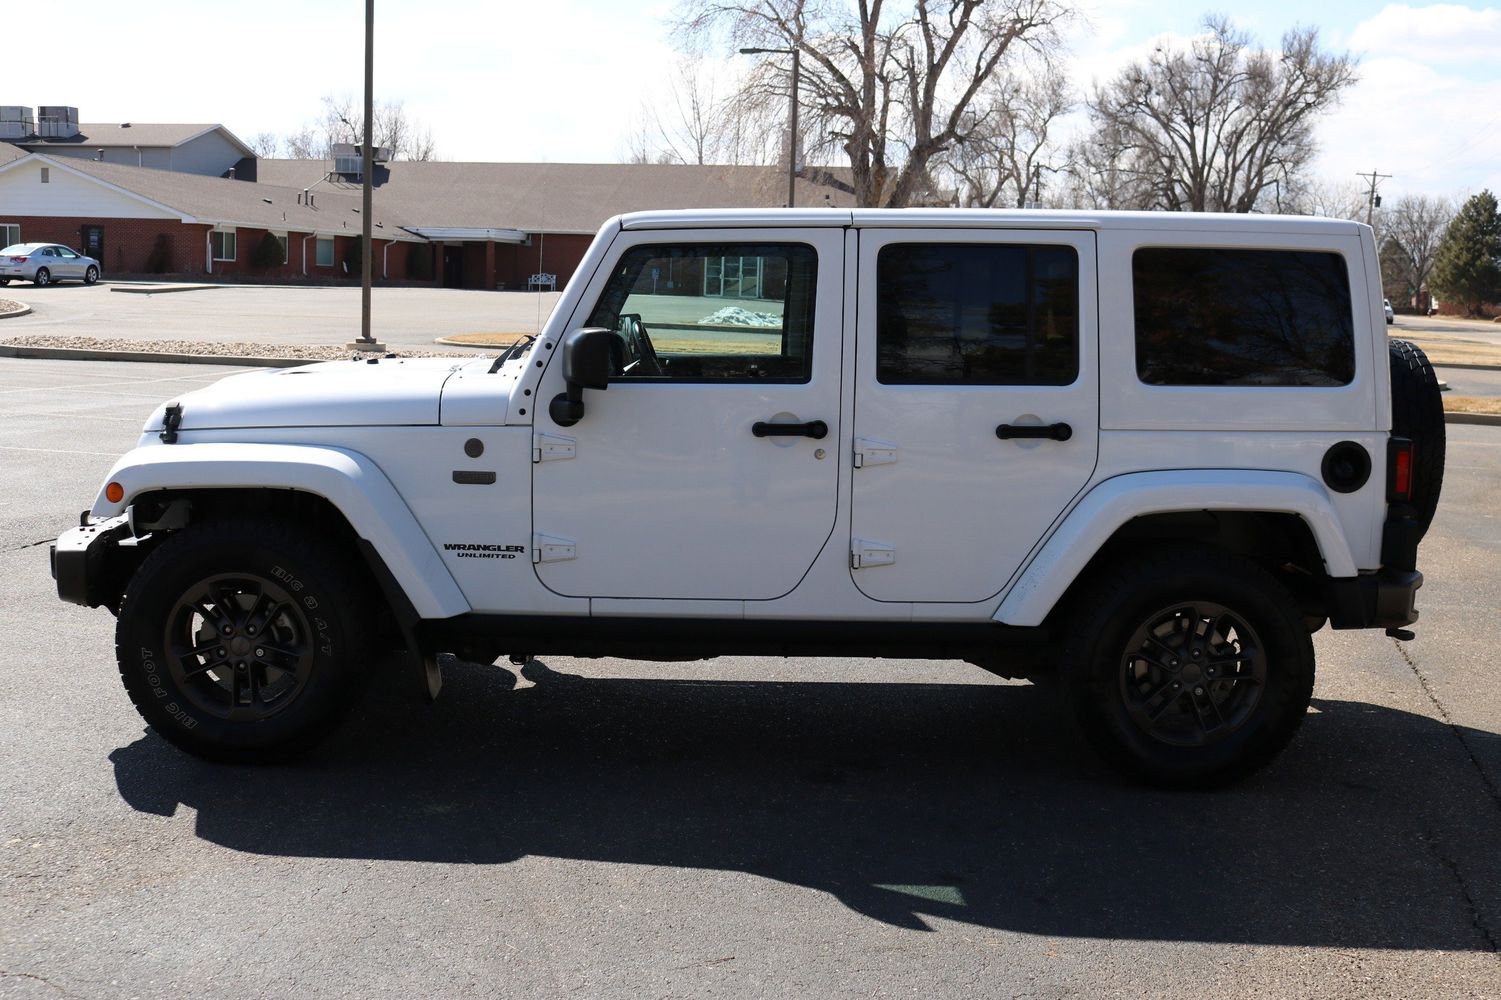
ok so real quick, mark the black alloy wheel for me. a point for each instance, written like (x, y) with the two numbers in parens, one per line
(238, 646)
(1192, 674)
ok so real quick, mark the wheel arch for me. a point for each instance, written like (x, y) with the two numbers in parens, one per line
(333, 488)
(1270, 517)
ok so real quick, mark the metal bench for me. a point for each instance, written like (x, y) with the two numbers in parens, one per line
(542, 280)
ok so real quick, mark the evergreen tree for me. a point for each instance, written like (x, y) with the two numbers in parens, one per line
(1468, 267)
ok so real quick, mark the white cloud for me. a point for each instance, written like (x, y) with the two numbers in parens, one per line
(1439, 34)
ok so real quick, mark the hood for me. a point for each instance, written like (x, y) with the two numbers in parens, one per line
(388, 392)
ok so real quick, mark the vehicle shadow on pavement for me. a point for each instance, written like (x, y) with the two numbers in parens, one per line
(904, 801)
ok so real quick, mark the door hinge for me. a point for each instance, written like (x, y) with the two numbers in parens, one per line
(869, 452)
(865, 554)
(546, 548)
(551, 448)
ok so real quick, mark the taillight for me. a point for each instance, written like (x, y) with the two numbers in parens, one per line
(18, 260)
(1399, 470)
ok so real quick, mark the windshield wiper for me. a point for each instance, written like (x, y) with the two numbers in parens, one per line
(514, 351)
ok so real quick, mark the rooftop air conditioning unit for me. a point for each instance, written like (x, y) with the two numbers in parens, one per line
(16, 122)
(54, 121)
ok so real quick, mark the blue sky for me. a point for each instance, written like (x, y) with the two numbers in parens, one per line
(563, 80)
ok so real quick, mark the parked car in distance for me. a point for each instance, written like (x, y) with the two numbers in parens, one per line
(1390, 316)
(44, 263)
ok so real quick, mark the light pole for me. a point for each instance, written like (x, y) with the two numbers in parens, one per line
(791, 117)
(367, 168)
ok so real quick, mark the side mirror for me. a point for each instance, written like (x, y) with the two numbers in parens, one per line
(586, 365)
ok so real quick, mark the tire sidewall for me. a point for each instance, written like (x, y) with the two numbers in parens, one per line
(43, 278)
(150, 600)
(1093, 664)
(91, 275)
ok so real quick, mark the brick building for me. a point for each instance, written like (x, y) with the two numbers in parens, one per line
(461, 225)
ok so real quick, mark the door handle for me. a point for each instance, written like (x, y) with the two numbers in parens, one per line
(813, 429)
(1052, 432)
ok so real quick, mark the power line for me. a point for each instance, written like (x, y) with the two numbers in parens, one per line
(1371, 200)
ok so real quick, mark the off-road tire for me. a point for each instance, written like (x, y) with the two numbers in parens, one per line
(328, 621)
(1098, 670)
(1418, 414)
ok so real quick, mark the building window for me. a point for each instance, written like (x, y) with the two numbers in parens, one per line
(46, 175)
(281, 239)
(350, 166)
(223, 243)
(10, 234)
(325, 254)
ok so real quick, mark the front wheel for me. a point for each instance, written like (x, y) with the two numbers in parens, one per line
(91, 275)
(43, 277)
(1188, 668)
(244, 641)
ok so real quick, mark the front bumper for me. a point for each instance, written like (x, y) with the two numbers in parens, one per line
(81, 560)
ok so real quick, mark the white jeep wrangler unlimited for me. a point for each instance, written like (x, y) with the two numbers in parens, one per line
(1149, 453)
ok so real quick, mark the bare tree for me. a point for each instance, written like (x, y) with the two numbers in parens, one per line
(343, 120)
(890, 88)
(1328, 199)
(305, 144)
(1416, 225)
(1211, 128)
(1010, 143)
(265, 144)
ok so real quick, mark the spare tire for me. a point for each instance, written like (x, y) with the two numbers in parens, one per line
(1418, 415)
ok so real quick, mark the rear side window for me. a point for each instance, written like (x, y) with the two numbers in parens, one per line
(977, 314)
(1242, 317)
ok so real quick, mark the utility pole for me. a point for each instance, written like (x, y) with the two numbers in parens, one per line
(796, 55)
(1372, 200)
(367, 168)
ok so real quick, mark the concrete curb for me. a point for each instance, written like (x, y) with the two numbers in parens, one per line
(1468, 367)
(15, 312)
(449, 342)
(1485, 419)
(73, 354)
(160, 289)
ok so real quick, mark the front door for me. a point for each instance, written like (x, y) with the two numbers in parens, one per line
(976, 405)
(93, 243)
(702, 472)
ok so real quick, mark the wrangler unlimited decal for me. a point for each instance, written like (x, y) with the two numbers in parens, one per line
(480, 550)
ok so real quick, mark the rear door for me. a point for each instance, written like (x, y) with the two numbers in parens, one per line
(976, 404)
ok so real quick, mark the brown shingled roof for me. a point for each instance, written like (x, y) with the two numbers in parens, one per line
(233, 202)
(110, 135)
(552, 197)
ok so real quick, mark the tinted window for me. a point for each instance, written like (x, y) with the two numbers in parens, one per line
(722, 312)
(977, 314)
(1242, 317)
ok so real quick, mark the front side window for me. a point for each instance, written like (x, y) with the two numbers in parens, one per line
(223, 243)
(1238, 317)
(977, 314)
(324, 256)
(730, 312)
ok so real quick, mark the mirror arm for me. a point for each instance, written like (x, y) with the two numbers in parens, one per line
(567, 407)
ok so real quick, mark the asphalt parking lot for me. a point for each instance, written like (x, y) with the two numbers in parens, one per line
(742, 828)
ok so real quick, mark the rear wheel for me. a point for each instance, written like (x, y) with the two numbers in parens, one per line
(244, 640)
(1188, 668)
(43, 277)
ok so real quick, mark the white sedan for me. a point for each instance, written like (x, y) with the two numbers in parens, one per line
(44, 263)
